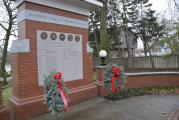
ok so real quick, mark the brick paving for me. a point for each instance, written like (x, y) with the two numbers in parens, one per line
(174, 115)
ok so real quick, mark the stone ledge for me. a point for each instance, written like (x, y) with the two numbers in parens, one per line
(152, 73)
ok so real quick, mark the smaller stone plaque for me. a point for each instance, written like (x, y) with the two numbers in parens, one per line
(88, 48)
(20, 46)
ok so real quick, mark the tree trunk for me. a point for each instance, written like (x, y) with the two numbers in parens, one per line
(97, 41)
(4, 55)
(127, 43)
(3, 63)
(145, 49)
(7, 4)
(125, 23)
(151, 58)
(169, 43)
(104, 42)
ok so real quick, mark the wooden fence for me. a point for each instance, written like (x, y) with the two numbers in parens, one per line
(139, 64)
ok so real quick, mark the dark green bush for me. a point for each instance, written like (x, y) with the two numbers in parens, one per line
(122, 94)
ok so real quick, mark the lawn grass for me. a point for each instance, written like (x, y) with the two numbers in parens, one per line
(94, 76)
(7, 85)
(6, 93)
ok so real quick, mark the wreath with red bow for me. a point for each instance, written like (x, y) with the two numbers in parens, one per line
(114, 77)
(55, 93)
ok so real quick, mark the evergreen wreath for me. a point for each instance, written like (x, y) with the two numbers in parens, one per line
(55, 93)
(114, 77)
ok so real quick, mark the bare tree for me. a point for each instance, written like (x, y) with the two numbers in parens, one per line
(8, 28)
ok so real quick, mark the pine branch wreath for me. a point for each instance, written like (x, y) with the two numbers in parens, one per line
(114, 77)
(55, 93)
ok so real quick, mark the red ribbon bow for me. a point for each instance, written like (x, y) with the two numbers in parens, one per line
(58, 77)
(115, 76)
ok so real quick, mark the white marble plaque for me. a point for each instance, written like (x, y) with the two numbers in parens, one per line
(61, 53)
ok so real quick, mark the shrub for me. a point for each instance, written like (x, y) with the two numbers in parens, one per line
(122, 94)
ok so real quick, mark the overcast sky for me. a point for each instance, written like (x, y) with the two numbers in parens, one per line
(159, 5)
(165, 7)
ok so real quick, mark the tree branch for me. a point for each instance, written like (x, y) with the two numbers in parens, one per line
(2, 26)
(13, 34)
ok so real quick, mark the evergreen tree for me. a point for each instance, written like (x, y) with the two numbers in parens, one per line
(133, 15)
(129, 15)
(150, 31)
(103, 22)
(113, 18)
(142, 6)
(104, 42)
(113, 15)
(94, 26)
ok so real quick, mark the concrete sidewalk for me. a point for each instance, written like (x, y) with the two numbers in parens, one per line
(135, 108)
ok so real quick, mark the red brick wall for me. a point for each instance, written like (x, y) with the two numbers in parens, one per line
(152, 80)
(5, 114)
(139, 81)
(24, 66)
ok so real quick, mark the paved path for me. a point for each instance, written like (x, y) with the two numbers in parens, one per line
(135, 108)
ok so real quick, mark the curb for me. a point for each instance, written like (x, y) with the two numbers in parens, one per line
(174, 116)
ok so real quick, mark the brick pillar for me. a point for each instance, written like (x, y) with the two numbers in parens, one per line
(27, 98)
(102, 91)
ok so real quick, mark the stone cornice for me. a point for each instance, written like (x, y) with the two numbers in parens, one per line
(82, 7)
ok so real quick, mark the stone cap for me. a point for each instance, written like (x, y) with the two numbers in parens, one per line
(152, 73)
(77, 6)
